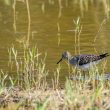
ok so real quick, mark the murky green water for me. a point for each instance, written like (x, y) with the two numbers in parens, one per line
(52, 30)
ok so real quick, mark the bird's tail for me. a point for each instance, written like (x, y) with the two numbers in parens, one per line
(104, 55)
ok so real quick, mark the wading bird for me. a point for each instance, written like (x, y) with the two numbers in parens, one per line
(83, 61)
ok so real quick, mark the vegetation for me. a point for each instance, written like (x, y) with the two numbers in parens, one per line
(30, 88)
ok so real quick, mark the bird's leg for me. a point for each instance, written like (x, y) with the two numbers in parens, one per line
(88, 72)
(84, 74)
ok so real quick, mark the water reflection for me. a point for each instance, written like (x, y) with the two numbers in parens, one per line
(95, 77)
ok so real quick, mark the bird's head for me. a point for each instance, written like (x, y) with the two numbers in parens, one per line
(65, 55)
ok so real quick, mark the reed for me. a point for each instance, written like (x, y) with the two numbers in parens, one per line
(27, 67)
(84, 4)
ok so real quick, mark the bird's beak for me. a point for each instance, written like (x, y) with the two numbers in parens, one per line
(59, 61)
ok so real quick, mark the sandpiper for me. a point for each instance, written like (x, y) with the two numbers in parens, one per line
(83, 61)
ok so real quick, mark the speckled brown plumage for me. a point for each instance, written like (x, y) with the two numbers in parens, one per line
(85, 59)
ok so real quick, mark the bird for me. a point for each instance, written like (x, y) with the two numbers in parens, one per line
(82, 61)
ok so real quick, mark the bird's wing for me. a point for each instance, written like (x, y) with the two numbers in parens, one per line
(85, 59)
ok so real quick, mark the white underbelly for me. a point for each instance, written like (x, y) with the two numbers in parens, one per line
(88, 66)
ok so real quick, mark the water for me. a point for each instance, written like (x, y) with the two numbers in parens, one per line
(52, 30)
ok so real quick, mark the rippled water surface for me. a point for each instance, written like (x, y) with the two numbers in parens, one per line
(53, 30)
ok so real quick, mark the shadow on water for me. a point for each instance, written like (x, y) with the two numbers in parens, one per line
(103, 77)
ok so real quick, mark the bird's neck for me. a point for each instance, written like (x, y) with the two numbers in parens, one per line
(69, 58)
